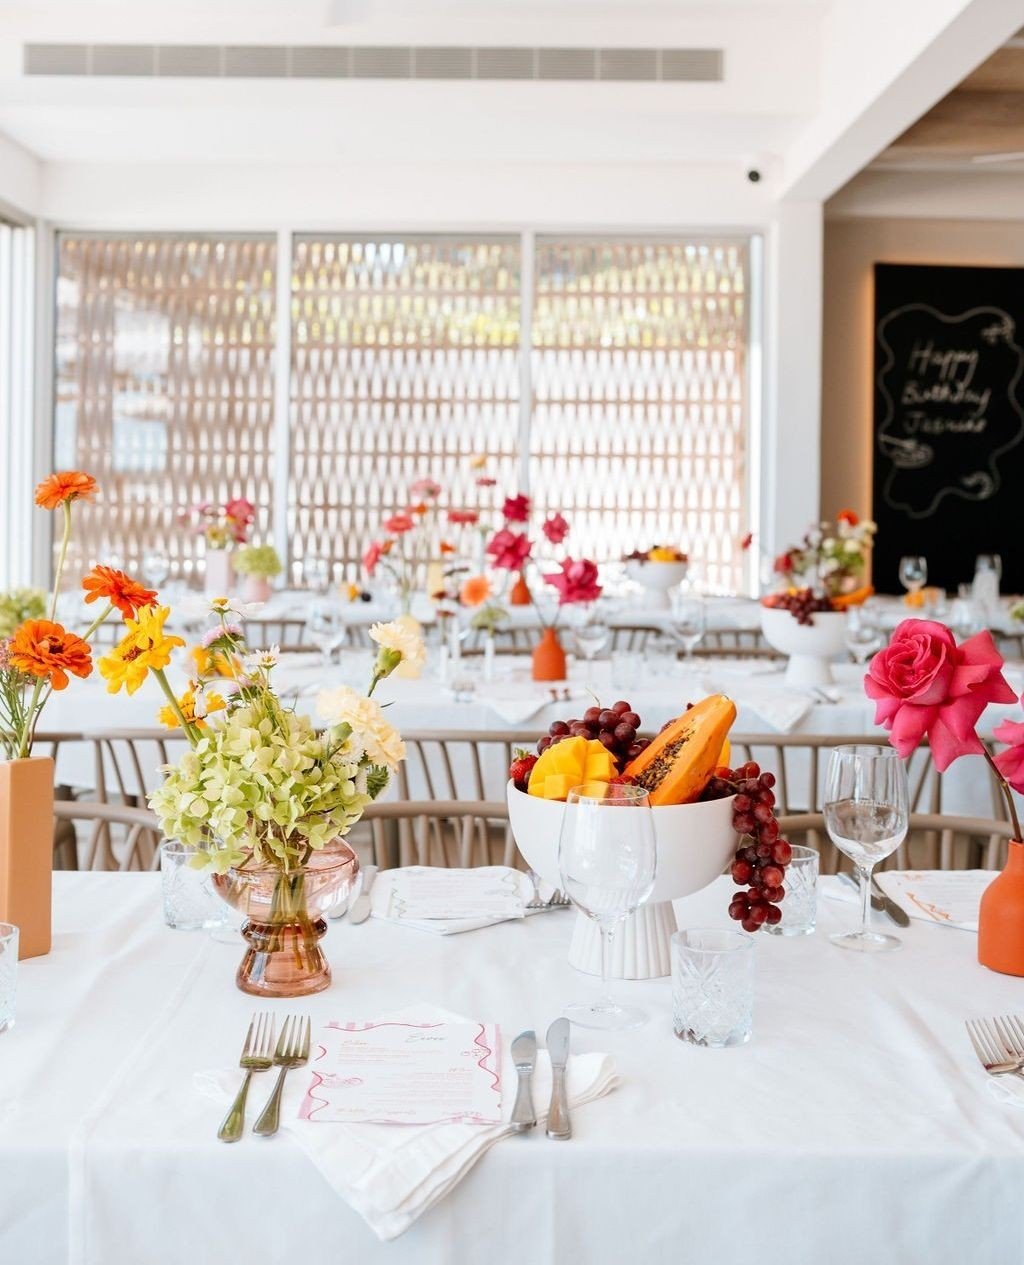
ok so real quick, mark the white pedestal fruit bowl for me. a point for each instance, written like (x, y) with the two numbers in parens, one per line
(810, 648)
(658, 578)
(695, 842)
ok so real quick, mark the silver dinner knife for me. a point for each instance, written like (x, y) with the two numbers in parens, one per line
(524, 1056)
(558, 1048)
(359, 910)
(879, 900)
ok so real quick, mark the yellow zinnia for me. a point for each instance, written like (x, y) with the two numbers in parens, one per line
(216, 663)
(145, 648)
(187, 703)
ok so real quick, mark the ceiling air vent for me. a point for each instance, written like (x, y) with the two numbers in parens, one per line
(329, 61)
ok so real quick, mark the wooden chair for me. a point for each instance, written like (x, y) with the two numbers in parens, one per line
(287, 634)
(121, 837)
(128, 762)
(439, 832)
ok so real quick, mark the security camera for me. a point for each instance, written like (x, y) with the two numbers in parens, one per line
(753, 175)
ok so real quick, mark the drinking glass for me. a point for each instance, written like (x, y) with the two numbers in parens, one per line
(8, 974)
(866, 815)
(316, 574)
(325, 629)
(189, 902)
(607, 859)
(989, 562)
(800, 908)
(592, 634)
(156, 567)
(688, 621)
(863, 636)
(712, 987)
(913, 572)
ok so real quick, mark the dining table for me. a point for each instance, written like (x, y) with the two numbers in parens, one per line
(856, 1125)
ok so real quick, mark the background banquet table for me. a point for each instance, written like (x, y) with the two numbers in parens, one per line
(857, 1125)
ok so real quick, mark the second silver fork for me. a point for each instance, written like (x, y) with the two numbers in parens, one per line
(292, 1051)
(256, 1057)
(999, 1044)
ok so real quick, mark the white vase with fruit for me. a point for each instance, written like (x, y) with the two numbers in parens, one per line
(809, 630)
(695, 839)
(658, 570)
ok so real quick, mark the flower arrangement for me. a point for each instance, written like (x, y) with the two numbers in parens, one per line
(17, 605)
(38, 655)
(831, 559)
(261, 561)
(407, 544)
(222, 526)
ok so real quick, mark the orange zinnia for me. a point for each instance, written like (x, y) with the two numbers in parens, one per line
(475, 590)
(65, 485)
(43, 649)
(119, 589)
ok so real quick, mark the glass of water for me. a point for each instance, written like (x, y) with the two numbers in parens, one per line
(189, 901)
(688, 621)
(156, 567)
(713, 987)
(8, 974)
(863, 635)
(800, 908)
(867, 815)
(325, 629)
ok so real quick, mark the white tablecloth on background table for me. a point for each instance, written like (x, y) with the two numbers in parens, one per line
(857, 1125)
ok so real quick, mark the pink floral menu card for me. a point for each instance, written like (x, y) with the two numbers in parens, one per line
(397, 1072)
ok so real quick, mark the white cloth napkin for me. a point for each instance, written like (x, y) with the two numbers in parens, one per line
(513, 703)
(381, 903)
(783, 711)
(391, 1174)
(945, 898)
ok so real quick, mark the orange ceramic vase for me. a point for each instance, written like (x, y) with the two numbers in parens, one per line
(26, 851)
(519, 594)
(549, 658)
(1001, 918)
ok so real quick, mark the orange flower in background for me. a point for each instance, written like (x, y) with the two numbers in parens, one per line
(419, 509)
(41, 648)
(849, 517)
(475, 590)
(65, 485)
(445, 546)
(119, 589)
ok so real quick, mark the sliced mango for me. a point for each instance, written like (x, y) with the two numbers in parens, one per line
(569, 763)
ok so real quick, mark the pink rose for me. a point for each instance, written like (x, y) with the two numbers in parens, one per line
(576, 583)
(1010, 762)
(555, 529)
(925, 685)
(516, 509)
(428, 488)
(509, 549)
(398, 523)
(463, 518)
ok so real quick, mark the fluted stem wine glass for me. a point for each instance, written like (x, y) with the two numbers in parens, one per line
(688, 621)
(913, 572)
(867, 814)
(607, 858)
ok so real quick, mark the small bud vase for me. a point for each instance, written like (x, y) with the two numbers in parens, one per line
(219, 575)
(284, 920)
(256, 589)
(519, 594)
(549, 658)
(1001, 917)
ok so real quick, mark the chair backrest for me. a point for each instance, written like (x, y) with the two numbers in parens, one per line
(128, 761)
(724, 640)
(459, 764)
(934, 841)
(441, 832)
(286, 634)
(121, 837)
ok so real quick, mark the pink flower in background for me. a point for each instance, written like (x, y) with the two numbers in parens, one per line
(485, 481)
(783, 564)
(1010, 762)
(463, 518)
(747, 541)
(374, 552)
(398, 524)
(428, 488)
(509, 549)
(925, 685)
(516, 509)
(576, 583)
(555, 528)
(240, 514)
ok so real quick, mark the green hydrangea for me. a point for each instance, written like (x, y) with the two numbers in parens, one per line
(17, 605)
(265, 781)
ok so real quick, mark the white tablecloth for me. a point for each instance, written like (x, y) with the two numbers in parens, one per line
(857, 1126)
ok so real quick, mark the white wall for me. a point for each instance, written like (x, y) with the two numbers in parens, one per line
(20, 179)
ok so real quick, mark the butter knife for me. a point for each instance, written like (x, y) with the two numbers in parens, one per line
(879, 900)
(524, 1056)
(558, 1112)
(359, 910)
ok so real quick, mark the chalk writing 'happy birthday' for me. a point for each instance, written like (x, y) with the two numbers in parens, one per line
(943, 376)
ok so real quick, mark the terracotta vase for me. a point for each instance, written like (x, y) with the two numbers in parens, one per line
(26, 851)
(219, 575)
(549, 658)
(519, 594)
(1001, 917)
(257, 589)
(284, 920)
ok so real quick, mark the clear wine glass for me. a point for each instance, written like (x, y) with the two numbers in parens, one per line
(316, 573)
(866, 814)
(607, 859)
(863, 635)
(325, 629)
(591, 633)
(156, 567)
(913, 572)
(688, 621)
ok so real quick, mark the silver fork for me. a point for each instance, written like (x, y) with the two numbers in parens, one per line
(256, 1057)
(292, 1051)
(997, 1057)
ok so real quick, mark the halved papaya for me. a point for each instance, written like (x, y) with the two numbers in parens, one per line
(856, 598)
(676, 766)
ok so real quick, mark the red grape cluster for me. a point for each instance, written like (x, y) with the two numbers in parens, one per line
(760, 862)
(616, 727)
(802, 604)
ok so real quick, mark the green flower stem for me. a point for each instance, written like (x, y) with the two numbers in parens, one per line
(1007, 793)
(189, 730)
(96, 622)
(29, 726)
(61, 557)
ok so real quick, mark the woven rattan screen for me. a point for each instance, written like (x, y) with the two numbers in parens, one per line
(405, 363)
(639, 425)
(164, 385)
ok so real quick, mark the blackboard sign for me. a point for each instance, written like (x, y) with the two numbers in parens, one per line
(949, 421)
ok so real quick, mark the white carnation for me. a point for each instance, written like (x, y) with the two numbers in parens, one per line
(379, 739)
(400, 638)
